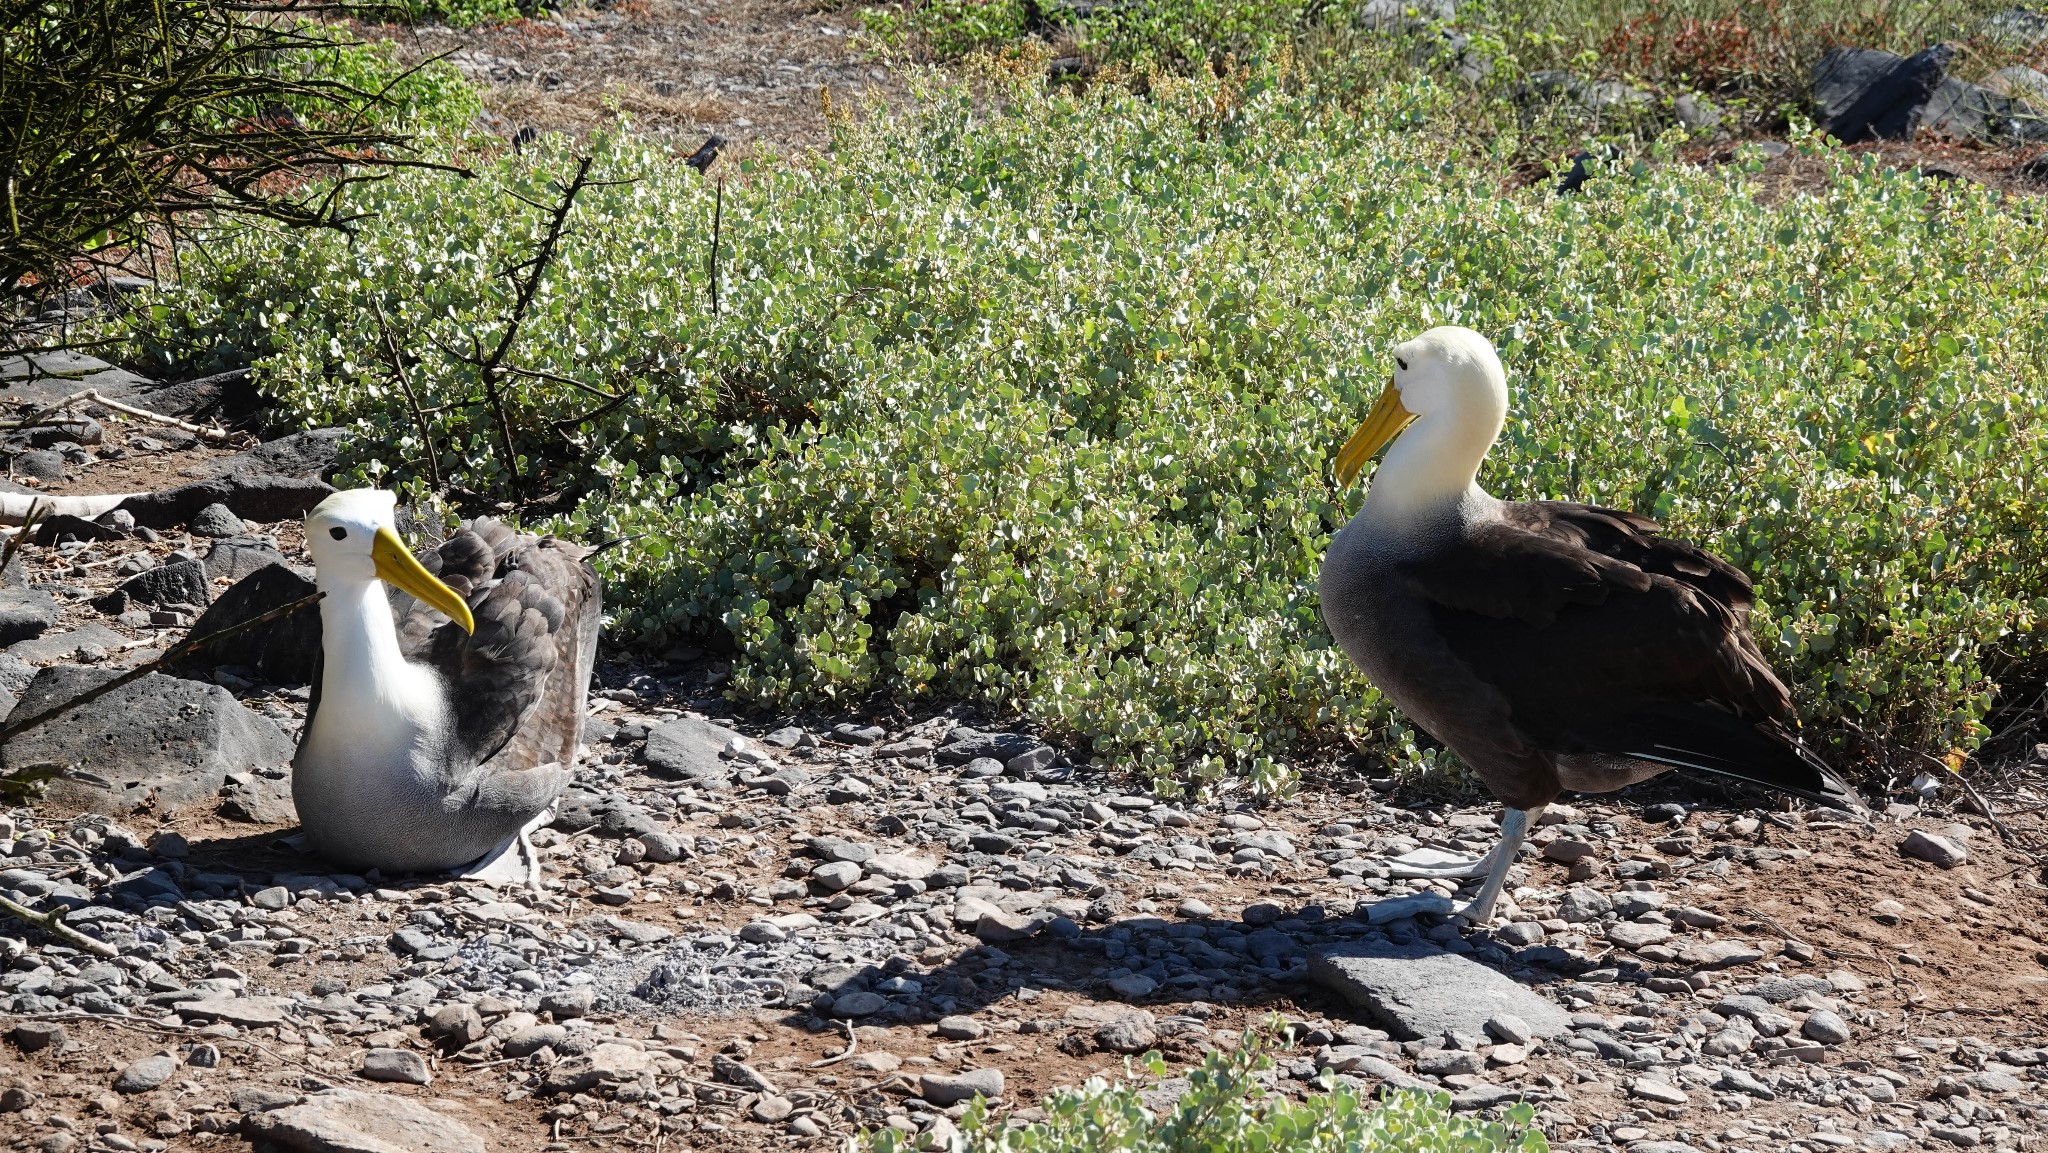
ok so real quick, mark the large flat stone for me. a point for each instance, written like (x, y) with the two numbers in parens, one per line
(248, 1012)
(159, 741)
(689, 749)
(25, 614)
(48, 377)
(64, 646)
(344, 1121)
(305, 455)
(1417, 992)
(262, 499)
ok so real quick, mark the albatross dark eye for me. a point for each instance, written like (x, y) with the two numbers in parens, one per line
(338, 533)
(1403, 365)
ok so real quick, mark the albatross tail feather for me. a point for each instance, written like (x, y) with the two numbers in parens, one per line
(1710, 741)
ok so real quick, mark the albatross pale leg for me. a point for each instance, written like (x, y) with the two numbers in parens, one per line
(1513, 828)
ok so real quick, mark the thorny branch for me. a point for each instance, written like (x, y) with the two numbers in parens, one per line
(396, 358)
(526, 277)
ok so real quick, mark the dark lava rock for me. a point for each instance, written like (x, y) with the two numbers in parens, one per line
(235, 557)
(577, 810)
(1869, 95)
(178, 583)
(222, 396)
(41, 464)
(259, 498)
(25, 614)
(216, 520)
(306, 455)
(284, 652)
(967, 744)
(690, 749)
(258, 799)
(158, 741)
(62, 529)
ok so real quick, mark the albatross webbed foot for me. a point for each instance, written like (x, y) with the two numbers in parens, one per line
(514, 861)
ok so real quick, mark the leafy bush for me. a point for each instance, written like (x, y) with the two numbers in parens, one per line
(464, 13)
(1037, 406)
(1226, 1105)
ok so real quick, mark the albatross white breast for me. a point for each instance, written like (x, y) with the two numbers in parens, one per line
(1552, 646)
(449, 708)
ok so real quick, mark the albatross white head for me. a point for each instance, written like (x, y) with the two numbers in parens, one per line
(353, 537)
(1445, 404)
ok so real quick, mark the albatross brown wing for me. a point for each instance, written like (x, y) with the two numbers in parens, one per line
(517, 684)
(1605, 638)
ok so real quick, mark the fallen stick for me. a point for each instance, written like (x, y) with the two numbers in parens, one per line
(92, 395)
(852, 1045)
(15, 507)
(53, 924)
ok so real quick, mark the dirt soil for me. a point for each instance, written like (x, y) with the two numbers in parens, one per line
(752, 71)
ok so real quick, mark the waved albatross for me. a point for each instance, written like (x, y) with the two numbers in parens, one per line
(1552, 646)
(448, 713)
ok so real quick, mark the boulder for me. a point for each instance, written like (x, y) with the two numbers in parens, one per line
(965, 745)
(217, 520)
(65, 646)
(25, 614)
(223, 396)
(259, 799)
(609, 1062)
(1965, 111)
(1864, 96)
(258, 498)
(286, 651)
(178, 583)
(345, 1121)
(62, 528)
(235, 557)
(308, 455)
(158, 741)
(44, 378)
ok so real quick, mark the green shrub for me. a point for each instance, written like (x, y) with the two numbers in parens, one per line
(465, 13)
(1226, 1105)
(1036, 405)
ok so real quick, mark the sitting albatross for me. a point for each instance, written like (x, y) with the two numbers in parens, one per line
(444, 722)
(1552, 646)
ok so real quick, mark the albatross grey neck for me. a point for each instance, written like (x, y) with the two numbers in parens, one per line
(1429, 477)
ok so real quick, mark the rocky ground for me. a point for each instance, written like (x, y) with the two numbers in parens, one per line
(778, 929)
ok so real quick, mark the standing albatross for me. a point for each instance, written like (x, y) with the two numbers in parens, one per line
(445, 722)
(1552, 646)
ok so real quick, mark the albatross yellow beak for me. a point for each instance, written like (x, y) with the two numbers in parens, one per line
(1383, 424)
(395, 565)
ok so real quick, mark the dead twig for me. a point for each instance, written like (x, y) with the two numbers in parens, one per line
(492, 367)
(52, 923)
(717, 227)
(92, 396)
(852, 1046)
